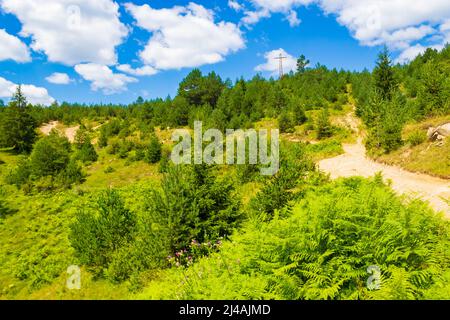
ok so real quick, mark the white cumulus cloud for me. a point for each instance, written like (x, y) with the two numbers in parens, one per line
(59, 78)
(403, 25)
(185, 36)
(264, 9)
(103, 78)
(34, 95)
(233, 4)
(139, 72)
(12, 48)
(272, 62)
(70, 31)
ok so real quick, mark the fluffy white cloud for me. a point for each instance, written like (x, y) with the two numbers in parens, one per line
(35, 95)
(103, 78)
(13, 48)
(264, 9)
(70, 31)
(272, 63)
(59, 78)
(139, 72)
(185, 36)
(400, 24)
(293, 19)
(235, 5)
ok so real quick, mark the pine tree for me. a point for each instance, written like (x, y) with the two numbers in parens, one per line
(285, 123)
(324, 128)
(17, 126)
(154, 150)
(384, 75)
(302, 63)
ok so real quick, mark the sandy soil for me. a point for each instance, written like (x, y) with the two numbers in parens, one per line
(355, 163)
(68, 132)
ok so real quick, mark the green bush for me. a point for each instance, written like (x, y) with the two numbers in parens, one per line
(3, 208)
(86, 153)
(97, 236)
(417, 137)
(20, 174)
(285, 123)
(50, 156)
(154, 150)
(322, 248)
(323, 125)
(193, 204)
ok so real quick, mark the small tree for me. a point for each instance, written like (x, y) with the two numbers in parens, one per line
(302, 63)
(96, 237)
(384, 75)
(154, 150)
(17, 126)
(86, 151)
(285, 123)
(50, 156)
(323, 125)
(103, 138)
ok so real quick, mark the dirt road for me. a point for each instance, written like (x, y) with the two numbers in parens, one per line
(355, 163)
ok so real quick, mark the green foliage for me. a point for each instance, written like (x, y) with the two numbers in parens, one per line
(302, 63)
(434, 89)
(87, 153)
(323, 124)
(285, 123)
(153, 153)
(321, 249)
(385, 134)
(384, 75)
(50, 155)
(98, 236)
(417, 137)
(20, 174)
(3, 208)
(192, 205)
(280, 189)
(17, 125)
(199, 90)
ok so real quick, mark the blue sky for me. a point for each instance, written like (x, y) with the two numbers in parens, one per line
(105, 51)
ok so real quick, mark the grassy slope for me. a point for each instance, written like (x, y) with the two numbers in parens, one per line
(426, 157)
(34, 247)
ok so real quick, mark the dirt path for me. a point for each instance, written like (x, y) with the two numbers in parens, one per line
(355, 163)
(68, 132)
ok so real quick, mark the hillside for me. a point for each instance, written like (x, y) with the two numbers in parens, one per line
(358, 186)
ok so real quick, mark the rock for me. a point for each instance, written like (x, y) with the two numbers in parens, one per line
(444, 130)
(439, 133)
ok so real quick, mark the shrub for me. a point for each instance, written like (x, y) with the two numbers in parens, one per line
(323, 125)
(322, 249)
(50, 155)
(154, 150)
(72, 174)
(97, 236)
(109, 169)
(87, 153)
(417, 137)
(102, 139)
(3, 208)
(20, 174)
(192, 205)
(278, 190)
(285, 123)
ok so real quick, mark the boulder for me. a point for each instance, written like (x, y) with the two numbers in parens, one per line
(444, 130)
(439, 133)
